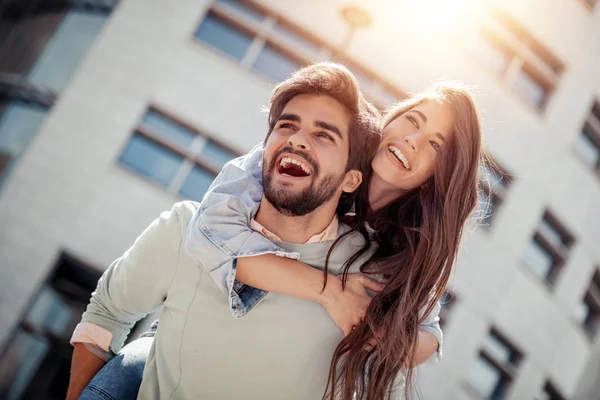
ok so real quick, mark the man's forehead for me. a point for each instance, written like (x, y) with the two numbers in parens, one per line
(318, 107)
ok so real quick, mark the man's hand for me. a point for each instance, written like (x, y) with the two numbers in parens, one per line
(347, 307)
(84, 367)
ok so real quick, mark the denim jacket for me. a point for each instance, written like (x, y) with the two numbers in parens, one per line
(220, 229)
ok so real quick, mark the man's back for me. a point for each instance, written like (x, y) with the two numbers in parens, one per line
(282, 349)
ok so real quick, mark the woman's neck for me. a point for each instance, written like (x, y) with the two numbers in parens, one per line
(382, 193)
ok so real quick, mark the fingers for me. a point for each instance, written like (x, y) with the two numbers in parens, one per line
(370, 283)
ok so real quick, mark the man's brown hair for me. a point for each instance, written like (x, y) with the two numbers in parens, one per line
(337, 82)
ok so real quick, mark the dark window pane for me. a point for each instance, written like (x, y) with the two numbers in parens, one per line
(196, 184)
(49, 312)
(274, 65)
(530, 89)
(483, 378)
(66, 48)
(153, 161)
(168, 130)
(549, 232)
(224, 37)
(497, 350)
(21, 362)
(216, 155)
(538, 259)
(18, 125)
(587, 149)
(243, 9)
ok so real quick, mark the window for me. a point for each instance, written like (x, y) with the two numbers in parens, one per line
(494, 183)
(529, 68)
(18, 124)
(35, 363)
(66, 48)
(549, 248)
(588, 310)
(588, 142)
(492, 373)
(447, 301)
(174, 156)
(273, 47)
(550, 393)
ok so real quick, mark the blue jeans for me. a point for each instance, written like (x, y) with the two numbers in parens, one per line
(121, 377)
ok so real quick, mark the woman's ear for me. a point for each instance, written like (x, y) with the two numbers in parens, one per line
(352, 181)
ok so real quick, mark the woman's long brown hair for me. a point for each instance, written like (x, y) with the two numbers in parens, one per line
(418, 237)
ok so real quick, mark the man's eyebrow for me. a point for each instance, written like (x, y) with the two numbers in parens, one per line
(330, 127)
(289, 117)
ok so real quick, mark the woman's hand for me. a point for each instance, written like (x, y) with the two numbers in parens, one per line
(347, 307)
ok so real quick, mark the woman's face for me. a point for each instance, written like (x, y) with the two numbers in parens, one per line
(411, 143)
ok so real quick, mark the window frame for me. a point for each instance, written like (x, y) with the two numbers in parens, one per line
(591, 125)
(591, 297)
(191, 157)
(525, 55)
(552, 391)
(559, 255)
(507, 372)
(264, 34)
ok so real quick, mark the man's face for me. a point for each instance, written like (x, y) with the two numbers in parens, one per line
(305, 158)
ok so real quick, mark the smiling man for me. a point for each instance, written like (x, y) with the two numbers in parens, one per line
(319, 143)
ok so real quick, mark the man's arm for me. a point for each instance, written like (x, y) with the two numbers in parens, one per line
(134, 285)
(84, 366)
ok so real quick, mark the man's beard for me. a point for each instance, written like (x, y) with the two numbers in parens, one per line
(305, 202)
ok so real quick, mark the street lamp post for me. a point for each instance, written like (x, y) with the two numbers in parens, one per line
(357, 18)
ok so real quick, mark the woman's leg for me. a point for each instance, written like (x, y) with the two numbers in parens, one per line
(121, 377)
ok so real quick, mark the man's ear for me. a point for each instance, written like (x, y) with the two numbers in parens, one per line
(352, 180)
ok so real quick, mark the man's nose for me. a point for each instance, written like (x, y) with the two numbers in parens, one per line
(299, 140)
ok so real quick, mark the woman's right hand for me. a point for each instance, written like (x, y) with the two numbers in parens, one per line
(348, 307)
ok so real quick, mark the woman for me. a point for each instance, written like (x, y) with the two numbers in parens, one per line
(422, 189)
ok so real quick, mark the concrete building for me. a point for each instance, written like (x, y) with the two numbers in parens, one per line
(111, 112)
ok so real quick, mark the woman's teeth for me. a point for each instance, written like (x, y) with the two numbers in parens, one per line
(401, 157)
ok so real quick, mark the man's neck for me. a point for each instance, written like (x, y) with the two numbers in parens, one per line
(294, 229)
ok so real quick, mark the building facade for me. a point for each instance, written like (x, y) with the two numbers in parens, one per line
(112, 111)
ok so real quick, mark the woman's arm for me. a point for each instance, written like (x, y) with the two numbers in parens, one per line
(292, 278)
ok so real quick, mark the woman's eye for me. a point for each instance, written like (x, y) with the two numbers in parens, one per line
(286, 126)
(435, 145)
(413, 121)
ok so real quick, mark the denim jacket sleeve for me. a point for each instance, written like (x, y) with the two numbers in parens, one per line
(219, 232)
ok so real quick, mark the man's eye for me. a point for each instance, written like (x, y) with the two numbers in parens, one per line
(413, 120)
(325, 135)
(435, 145)
(287, 126)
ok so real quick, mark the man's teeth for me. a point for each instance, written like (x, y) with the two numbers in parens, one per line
(286, 161)
(401, 157)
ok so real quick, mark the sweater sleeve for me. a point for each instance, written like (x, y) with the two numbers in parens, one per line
(137, 283)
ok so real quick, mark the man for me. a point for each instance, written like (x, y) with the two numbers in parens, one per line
(283, 348)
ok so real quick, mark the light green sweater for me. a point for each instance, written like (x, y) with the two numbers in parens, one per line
(281, 350)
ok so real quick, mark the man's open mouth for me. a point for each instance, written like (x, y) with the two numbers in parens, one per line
(293, 167)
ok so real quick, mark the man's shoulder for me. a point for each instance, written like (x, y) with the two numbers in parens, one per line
(186, 209)
(179, 216)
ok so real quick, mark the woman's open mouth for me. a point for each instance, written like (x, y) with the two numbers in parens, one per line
(398, 155)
